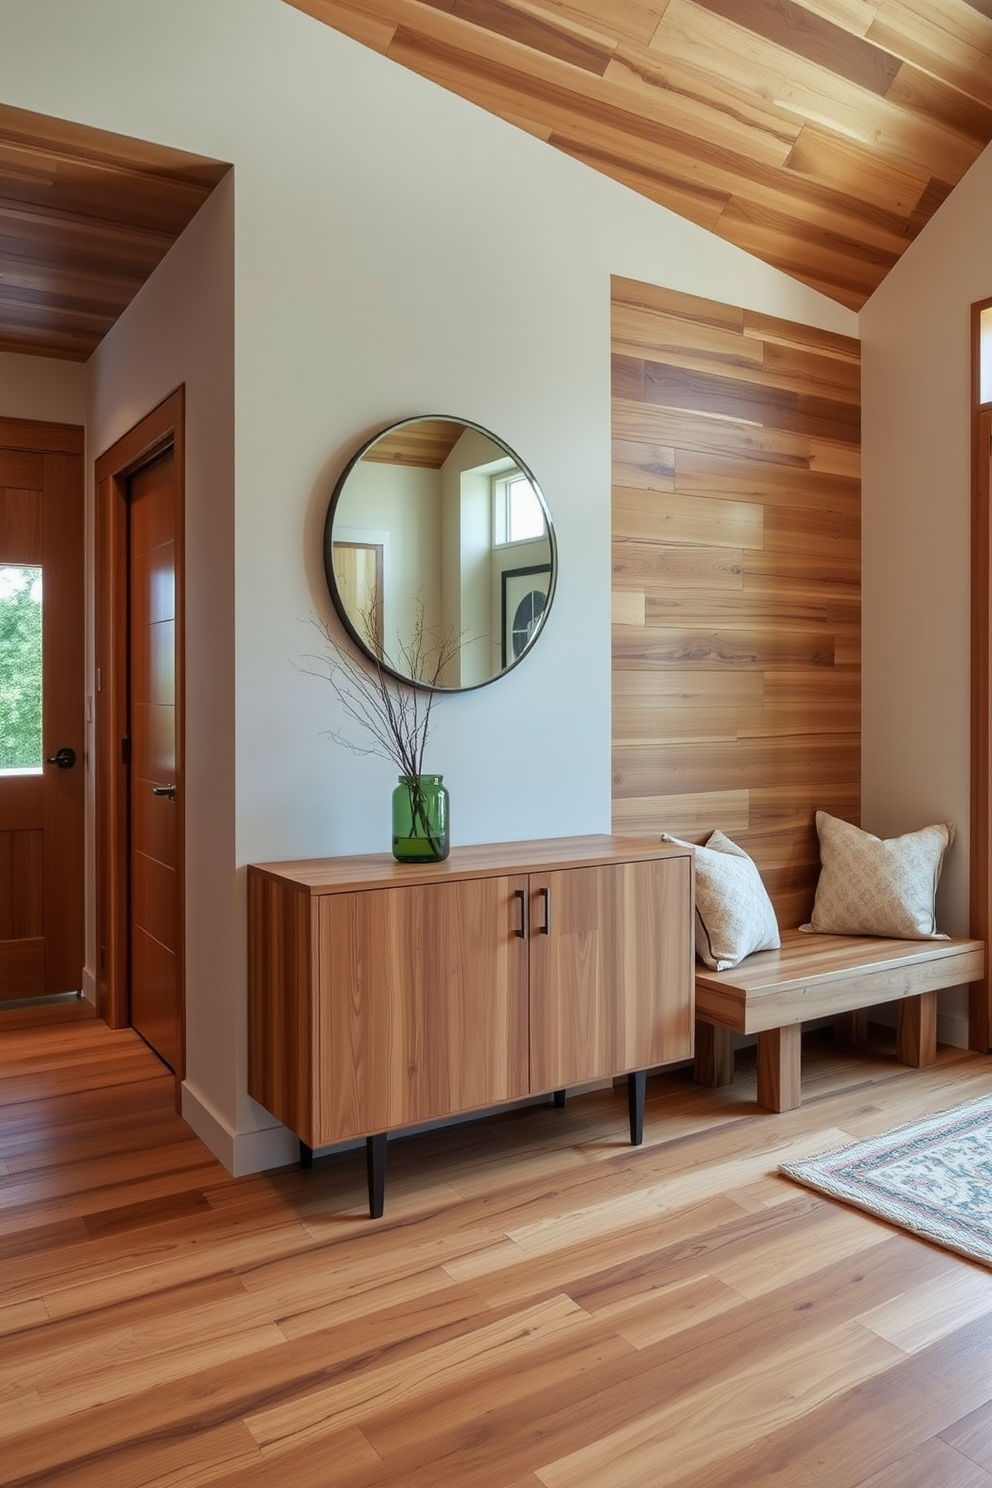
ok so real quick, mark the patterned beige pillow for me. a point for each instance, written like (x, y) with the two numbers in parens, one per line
(734, 915)
(868, 886)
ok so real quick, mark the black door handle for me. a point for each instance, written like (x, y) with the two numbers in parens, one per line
(65, 758)
(546, 896)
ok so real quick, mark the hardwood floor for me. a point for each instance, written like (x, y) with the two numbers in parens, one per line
(541, 1305)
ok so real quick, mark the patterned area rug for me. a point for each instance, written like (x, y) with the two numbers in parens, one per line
(933, 1177)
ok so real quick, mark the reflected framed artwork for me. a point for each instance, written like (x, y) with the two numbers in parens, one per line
(524, 598)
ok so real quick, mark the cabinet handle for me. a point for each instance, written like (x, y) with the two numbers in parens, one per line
(522, 896)
(546, 896)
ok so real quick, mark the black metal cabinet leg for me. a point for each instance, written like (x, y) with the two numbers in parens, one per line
(559, 1099)
(636, 1086)
(306, 1156)
(375, 1161)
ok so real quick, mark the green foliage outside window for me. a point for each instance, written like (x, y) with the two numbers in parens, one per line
(20, 668)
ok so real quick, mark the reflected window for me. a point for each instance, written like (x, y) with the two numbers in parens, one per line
(518, 515)
(20, 667)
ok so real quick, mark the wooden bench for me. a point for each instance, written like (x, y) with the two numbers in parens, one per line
(772, 993)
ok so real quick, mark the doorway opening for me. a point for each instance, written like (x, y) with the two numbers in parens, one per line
(42, 727)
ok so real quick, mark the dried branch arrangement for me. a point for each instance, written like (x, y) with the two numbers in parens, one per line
(394, 716)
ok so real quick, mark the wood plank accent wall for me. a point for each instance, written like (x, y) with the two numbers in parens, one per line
(736, 579)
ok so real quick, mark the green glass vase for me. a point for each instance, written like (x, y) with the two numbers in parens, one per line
(420, 819)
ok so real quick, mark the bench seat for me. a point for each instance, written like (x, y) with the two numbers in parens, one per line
(772, 993)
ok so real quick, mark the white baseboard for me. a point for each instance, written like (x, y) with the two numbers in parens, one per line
(88, 988)
(952, 1029)
(240, 1152)
(276, 1147)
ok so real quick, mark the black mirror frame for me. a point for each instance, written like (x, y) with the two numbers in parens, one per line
(329, 576)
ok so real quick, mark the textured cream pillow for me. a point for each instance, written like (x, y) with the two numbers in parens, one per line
(868, 886)
(734, 915)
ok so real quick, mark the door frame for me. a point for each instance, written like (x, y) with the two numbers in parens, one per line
(980, 877)
(162, 428)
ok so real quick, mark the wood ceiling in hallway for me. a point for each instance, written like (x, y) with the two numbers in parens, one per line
(85, 218)
(820, 136)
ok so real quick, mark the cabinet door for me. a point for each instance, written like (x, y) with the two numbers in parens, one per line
(422, 1004)
(611, 977)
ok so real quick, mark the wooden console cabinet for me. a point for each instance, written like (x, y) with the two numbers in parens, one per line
(383, 994)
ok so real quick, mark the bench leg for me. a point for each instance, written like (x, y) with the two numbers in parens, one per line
(851, 1028)
(714, 1055)
(779, 1052)
(916, 1031)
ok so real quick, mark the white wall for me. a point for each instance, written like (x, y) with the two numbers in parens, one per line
(180, 330)
(33, 387)
(916, 332)
(371, 286)
(403, 501)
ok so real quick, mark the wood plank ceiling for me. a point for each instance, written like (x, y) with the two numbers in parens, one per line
(819, 136)
(85, 217)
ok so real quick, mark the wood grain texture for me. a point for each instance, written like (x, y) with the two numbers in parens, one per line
(737, 577)
(779, 1068)
(382, 996)
(422, 1005)
(85, 217)
(625, 931)
(772, 993)
(916, 1035)
(814, 976)
(425, 443)
(282, 966)
(537, 1307)
(820, 136)
(160, 429)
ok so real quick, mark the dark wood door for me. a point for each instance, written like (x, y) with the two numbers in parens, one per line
(156, 1010)
(41, 709)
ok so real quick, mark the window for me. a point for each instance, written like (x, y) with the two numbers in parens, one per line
(518, 515)
(985, 355)
(20, 667)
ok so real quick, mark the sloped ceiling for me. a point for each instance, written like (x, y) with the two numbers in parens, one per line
(85, 217)
(819, 136)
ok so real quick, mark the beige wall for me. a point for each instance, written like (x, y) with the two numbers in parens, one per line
(42, 388)
(916, 334)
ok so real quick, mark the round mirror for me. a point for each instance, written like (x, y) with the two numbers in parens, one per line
(440, 554)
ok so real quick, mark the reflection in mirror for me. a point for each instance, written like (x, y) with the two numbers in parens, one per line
(436, 532)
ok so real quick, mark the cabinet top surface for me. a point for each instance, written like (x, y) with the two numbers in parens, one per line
(336, 875)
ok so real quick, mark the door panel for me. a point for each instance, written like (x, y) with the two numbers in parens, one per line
(423, 1004)
(156, 1010)
(611, 983)
(41, 805)
(154, 983)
